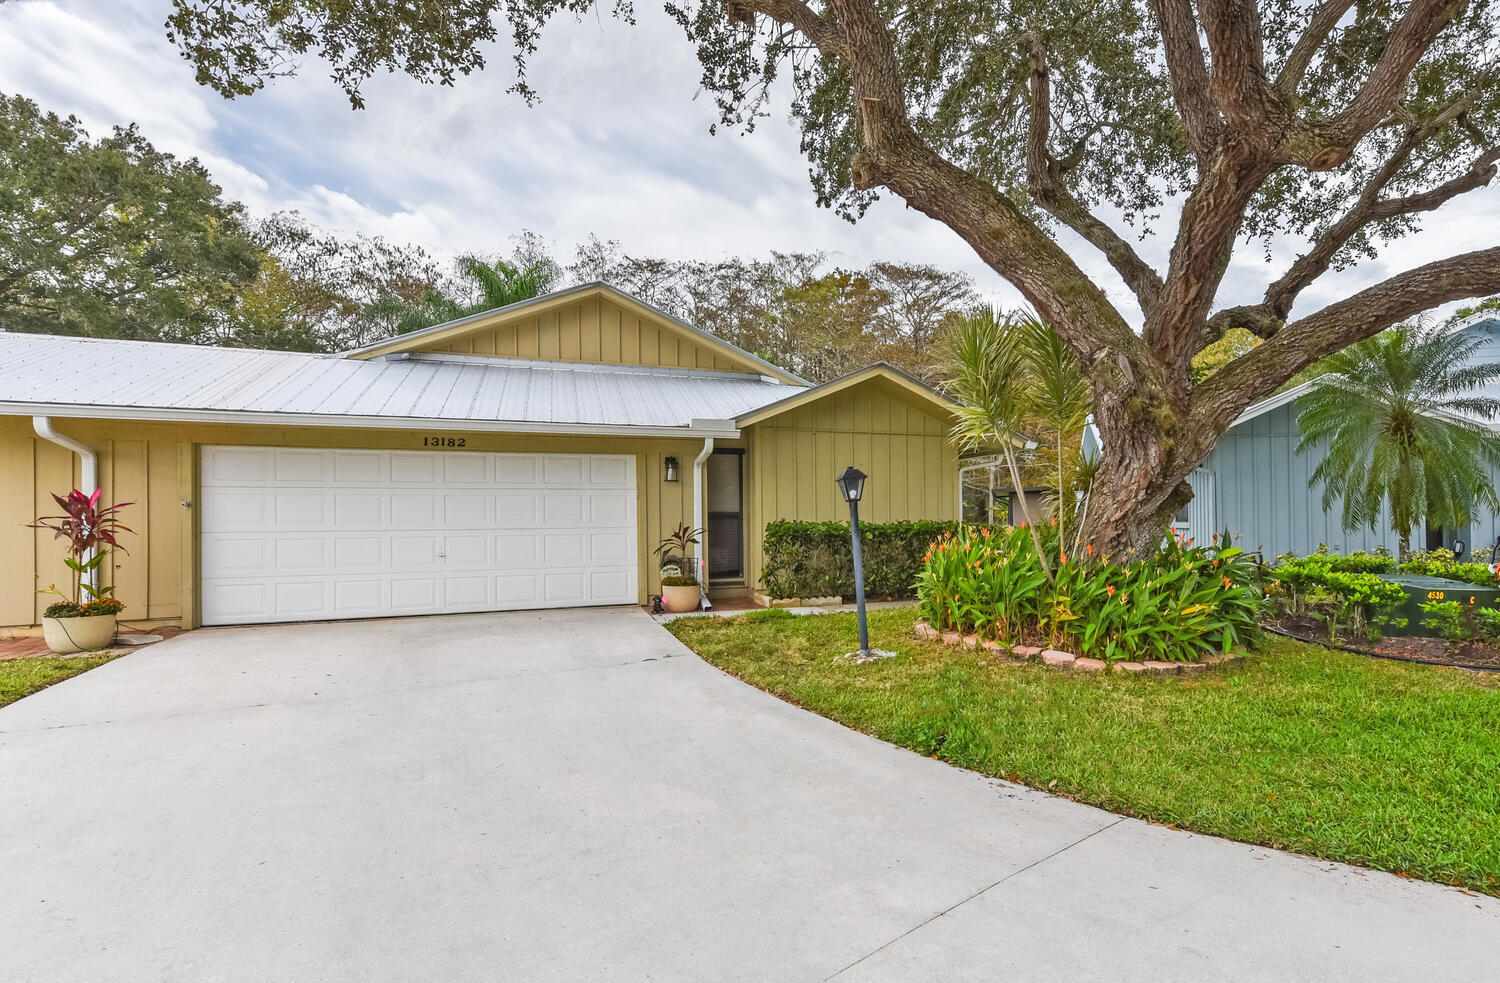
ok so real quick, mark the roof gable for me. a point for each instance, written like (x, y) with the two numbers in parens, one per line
(881, 375)
(593, 323)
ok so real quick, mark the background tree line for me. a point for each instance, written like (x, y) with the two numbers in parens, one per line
(112, 238)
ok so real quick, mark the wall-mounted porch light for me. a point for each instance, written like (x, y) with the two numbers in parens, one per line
(671, 469)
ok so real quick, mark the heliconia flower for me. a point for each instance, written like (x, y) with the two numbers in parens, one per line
(1110, 590)
(1088, 548)
(1226, 581)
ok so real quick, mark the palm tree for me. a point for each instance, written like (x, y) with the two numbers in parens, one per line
(1399, 413)
(498, 285)
(1020, 388)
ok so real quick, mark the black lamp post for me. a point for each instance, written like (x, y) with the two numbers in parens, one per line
(852, 487)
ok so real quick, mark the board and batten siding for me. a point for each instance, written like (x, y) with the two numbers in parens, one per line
(147, 473)
(1263, 498)
(795, 458)
(154, 466)
(592, 329)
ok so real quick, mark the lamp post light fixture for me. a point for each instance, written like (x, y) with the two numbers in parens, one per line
(852, 486)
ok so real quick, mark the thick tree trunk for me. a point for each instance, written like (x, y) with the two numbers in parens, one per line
(1140, 485)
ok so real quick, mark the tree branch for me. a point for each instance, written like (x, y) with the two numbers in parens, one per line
(1413, 35)
(809, 22)
(1267, 318)
(1049, 191)
(1189, 74)
(1226, 393)
(1324, 20)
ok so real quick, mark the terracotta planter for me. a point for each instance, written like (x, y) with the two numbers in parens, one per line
(680, 599)
(68, 635)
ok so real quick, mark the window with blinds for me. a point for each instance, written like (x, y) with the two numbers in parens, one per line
(726, 533)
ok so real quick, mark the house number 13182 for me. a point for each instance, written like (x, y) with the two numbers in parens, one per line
(443, 441)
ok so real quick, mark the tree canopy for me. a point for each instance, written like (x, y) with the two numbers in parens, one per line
(1329, 123)
(112, 237)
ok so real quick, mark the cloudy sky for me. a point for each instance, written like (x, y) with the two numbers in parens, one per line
(618, 147)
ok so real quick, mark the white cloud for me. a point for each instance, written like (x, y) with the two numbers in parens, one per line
(619, 147)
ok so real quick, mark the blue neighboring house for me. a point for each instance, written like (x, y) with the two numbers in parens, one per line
(1255, 485)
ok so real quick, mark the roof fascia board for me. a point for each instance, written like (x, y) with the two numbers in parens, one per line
(170, 415)
(880, 370)
(546, 302)
(560, 366)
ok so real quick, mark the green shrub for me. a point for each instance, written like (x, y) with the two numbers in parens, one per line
(685, 580)
(815, 559)
(1487, 623)
(1440, 563)
(1364, 600)
(1175, 605)
(1447, 618)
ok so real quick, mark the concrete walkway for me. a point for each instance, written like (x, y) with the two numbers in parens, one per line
(573, 795)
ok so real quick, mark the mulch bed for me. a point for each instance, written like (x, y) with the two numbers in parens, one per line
(1441, 652)
(1433, 651)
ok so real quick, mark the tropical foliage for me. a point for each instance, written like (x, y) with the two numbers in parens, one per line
(1395, 417)
(1021, 393)
(91, 531)
(494, 285)
(1176, 603)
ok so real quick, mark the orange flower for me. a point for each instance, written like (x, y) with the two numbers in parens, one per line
(1088, 548)
(1064, 559)
(1124, 598)
(1226, 581)
(1110, 590)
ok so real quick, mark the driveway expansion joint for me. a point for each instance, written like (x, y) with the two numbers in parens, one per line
(977, 894)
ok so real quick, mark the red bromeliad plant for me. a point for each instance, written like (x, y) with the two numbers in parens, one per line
(1175, 604)
(91, 530)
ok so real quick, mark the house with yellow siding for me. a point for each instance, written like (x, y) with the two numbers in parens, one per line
(527, 457)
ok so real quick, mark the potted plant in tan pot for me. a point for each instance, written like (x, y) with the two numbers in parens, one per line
(681, 591)
(85, 619)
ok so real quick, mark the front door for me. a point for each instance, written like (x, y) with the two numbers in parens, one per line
(726, 528)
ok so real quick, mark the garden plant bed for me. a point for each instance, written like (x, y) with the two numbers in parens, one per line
(1057, 659)
(1373, 762)
(1476, 655)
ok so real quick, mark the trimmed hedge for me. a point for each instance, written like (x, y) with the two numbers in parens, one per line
(814, 559)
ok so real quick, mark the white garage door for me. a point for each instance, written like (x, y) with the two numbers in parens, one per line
(306, 535)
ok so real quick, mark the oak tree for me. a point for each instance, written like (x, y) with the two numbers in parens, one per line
(1328, 123)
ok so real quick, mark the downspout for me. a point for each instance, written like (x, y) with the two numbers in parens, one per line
(88, 467)
(702, 572)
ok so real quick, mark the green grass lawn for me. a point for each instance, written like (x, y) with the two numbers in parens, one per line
(1385, 764)
(22, 677)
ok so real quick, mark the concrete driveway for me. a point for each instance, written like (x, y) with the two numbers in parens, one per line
(574, 795)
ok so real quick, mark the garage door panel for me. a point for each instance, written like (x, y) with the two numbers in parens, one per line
(302, 553)
(565, 508)
(299, 534)
(301, 510)
(303, 467)
(517, 511)
(355, 554)
(232, 511)
(237, 555)
(354, 511)
(517, 549)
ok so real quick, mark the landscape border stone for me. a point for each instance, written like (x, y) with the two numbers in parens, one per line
(1067, 660)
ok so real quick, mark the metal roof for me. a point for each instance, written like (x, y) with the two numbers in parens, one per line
(69, 376)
